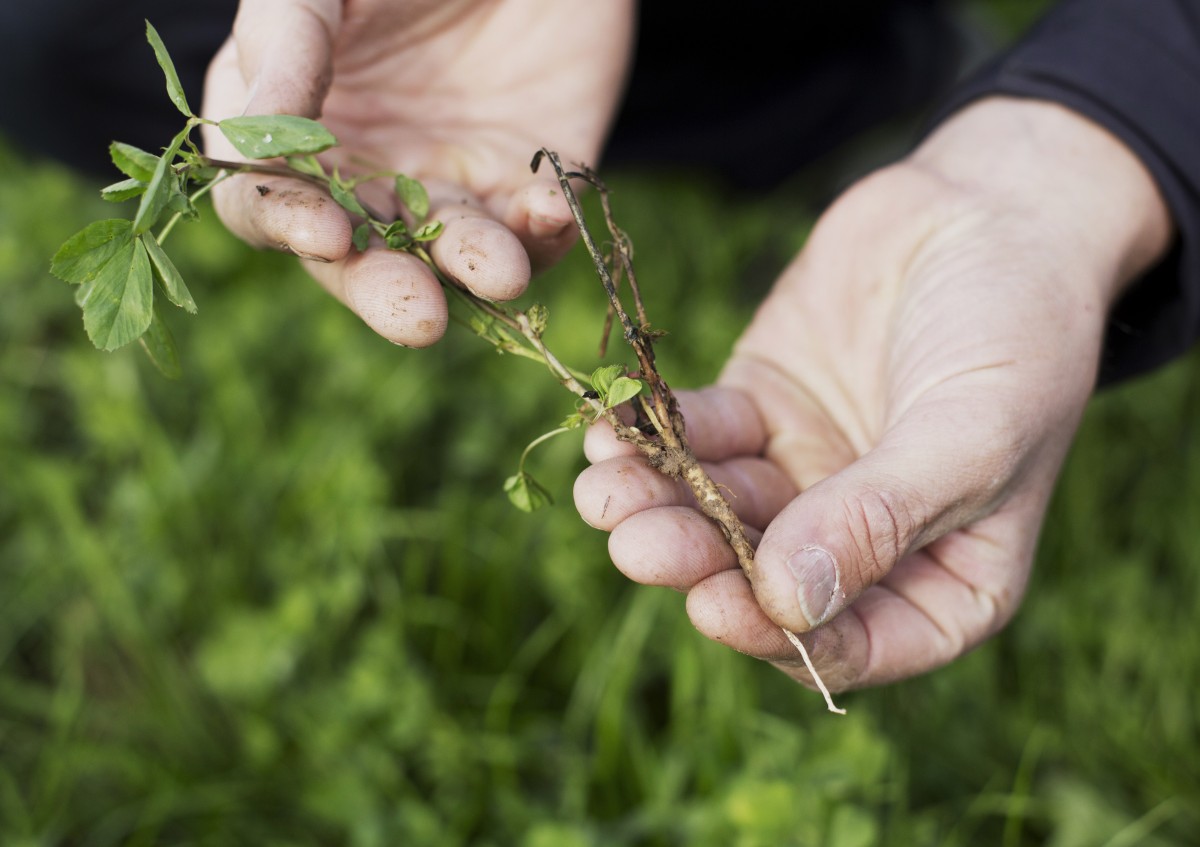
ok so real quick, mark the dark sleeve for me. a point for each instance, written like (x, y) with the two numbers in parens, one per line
(78, 74)
(1132, 66)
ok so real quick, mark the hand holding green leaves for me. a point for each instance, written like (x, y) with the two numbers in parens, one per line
(116, 262)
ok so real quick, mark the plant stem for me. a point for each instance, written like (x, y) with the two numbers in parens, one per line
(546, 436)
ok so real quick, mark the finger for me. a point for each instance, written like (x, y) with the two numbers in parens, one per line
(720, 423)
(267, 211)
(924, 615)
(393, 292)
(480, 253)
(284, 214)
(538, 215)
(723, 608)
(921, 616)
(285, 54)
(672, 546)
(610, 492)
(944, 465)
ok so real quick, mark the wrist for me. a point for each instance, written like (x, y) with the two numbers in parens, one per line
(1091, 198)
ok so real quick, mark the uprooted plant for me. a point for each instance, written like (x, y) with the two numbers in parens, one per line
(116, 263)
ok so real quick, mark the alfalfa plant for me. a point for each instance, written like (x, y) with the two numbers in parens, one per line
(116, 264)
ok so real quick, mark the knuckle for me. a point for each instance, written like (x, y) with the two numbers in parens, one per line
(880, 525)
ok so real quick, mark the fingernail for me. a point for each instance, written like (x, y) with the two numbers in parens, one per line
(312, 257)
(817, 582)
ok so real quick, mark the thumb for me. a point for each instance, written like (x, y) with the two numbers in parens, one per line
(285, 54)
(849, 530)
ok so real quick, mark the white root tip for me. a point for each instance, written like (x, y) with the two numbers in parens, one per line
(813, 671)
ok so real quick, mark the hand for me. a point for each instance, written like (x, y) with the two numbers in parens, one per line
(895, 416)
(458, 94)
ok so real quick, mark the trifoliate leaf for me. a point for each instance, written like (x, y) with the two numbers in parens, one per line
(169, 277)
(526, 493)
(126, 189)
(266, 136)
(623, 388)
(413, 195)
(174, 87)
(118, 302)
(159, 346)
(132, 161)
(603, 377)
(361, 237)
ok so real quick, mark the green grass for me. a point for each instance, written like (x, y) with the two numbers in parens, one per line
(283, 601)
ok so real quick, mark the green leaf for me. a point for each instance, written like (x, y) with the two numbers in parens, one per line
(397, 236)
(429, 231)
(118, 303)
(159, 345)
(266, 136)
(395, 228)
(174, 87)
(362, 236)
(602, 378)
(132, 161)
(126, 189)
(82, 256)
(413, 195)
(526, 493)
(306, 165)
(168, 276)
(623, 388)
(344, 195)
(164, 183)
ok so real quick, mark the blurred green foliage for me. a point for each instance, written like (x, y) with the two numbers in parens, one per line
(283, 600)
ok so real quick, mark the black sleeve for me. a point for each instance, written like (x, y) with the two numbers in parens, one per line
(1132, 66)
(76, 75)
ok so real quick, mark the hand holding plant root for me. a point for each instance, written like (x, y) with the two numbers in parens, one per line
(894, 417)
(117, 262)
